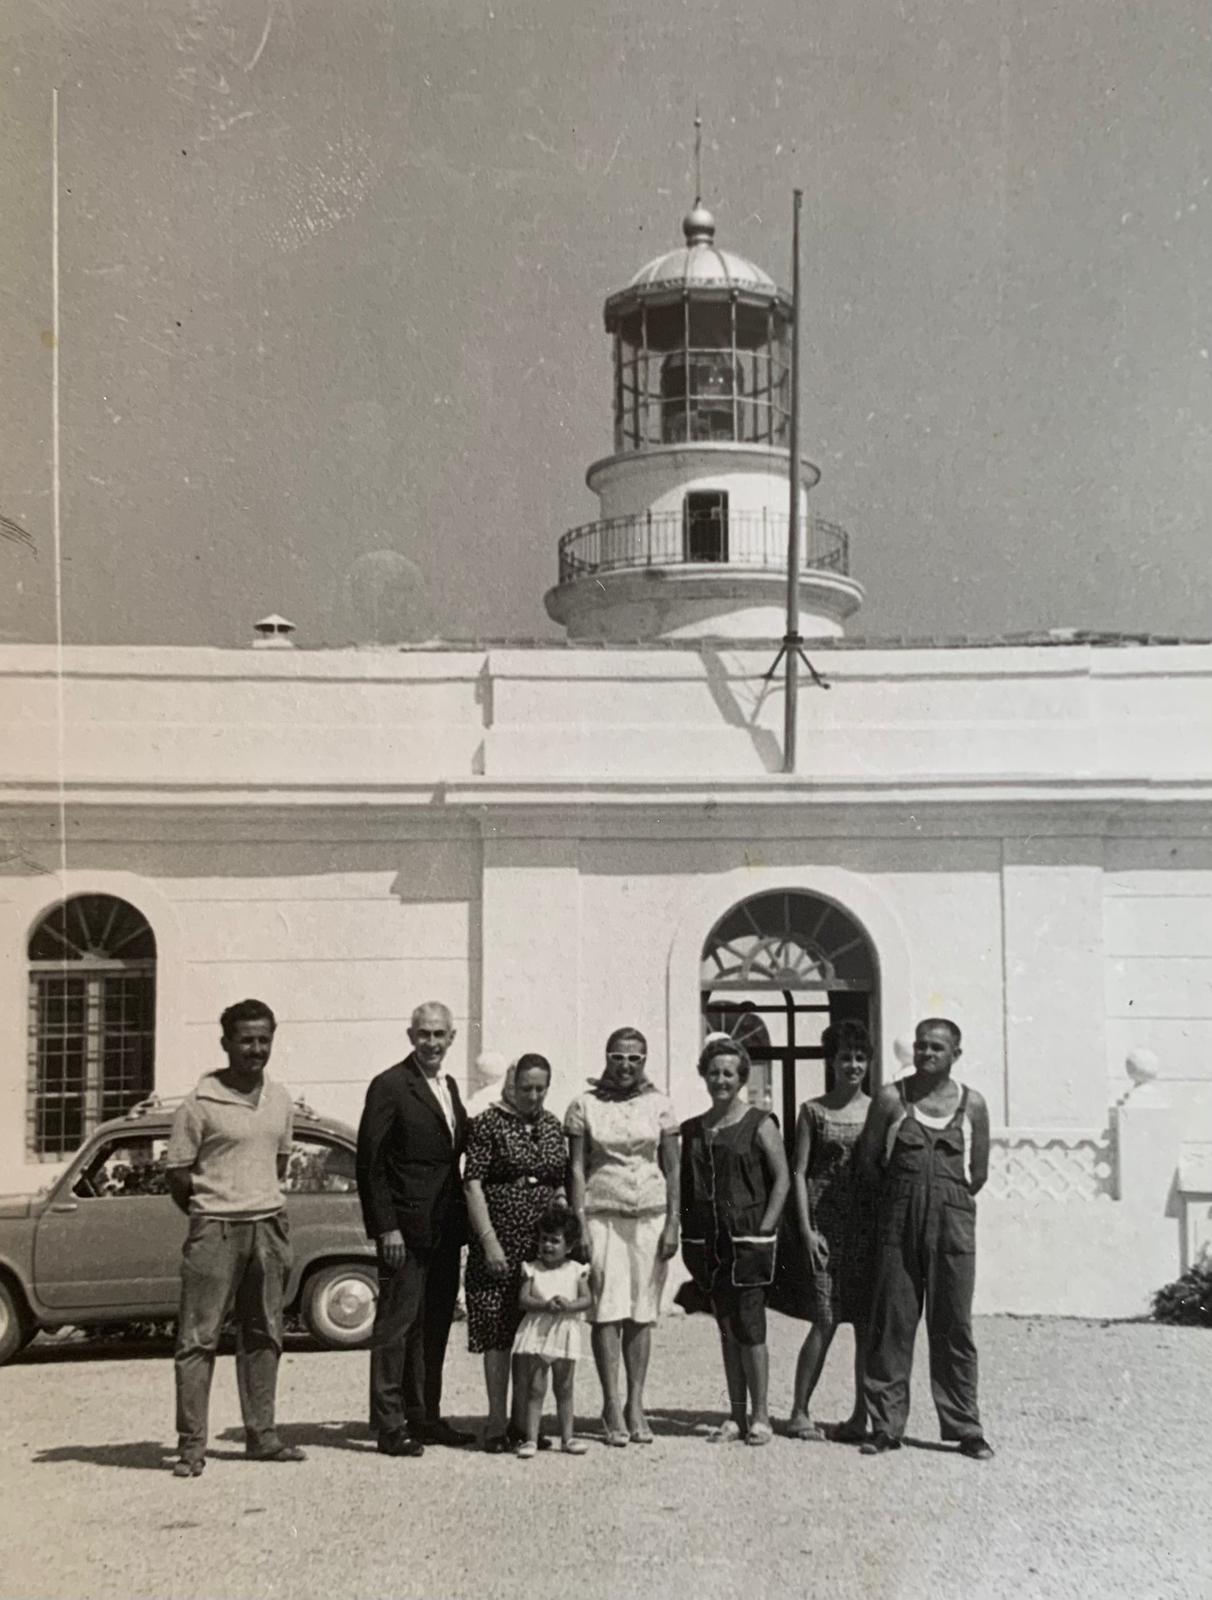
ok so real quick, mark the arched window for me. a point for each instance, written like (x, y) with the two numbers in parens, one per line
(92, 1019)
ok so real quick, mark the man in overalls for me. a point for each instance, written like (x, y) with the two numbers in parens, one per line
(914, 1146)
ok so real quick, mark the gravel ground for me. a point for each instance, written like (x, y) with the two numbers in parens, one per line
(1100, 1487)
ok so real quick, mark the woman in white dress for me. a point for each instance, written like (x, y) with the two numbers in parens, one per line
(623, 1147)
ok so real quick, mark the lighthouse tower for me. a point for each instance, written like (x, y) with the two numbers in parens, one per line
(691, 537)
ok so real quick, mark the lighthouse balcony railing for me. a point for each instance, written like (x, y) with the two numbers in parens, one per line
(754, 541)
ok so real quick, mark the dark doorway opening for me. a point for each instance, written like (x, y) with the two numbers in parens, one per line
(705, 525)
(798, 1061)
(777, 970)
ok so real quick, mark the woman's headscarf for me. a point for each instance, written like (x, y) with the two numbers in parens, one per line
(605, 1087)
(509, 1084)
(523, 1063)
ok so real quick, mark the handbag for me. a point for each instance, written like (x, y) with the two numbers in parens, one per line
(754, 1258)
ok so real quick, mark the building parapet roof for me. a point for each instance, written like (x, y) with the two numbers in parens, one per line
(1051, 638)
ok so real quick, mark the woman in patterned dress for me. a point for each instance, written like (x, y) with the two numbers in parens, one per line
(514, 1169)
(834, 1209)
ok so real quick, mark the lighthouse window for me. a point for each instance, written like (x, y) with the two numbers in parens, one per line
(705, 525)
(710, 325)
(697, 389)
(701, 370)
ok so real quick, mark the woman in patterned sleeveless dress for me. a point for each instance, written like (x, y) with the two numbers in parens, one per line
(834, 1210)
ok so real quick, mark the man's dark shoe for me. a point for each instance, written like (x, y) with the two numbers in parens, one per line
(976, 1448)
(400, 1444)
(441, 1432)
(878, 1444)
(275, 1452)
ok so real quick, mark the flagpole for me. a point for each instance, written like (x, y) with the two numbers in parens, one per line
(56, 496)
(791, 643)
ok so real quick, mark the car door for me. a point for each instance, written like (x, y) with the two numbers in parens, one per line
(110, 1238)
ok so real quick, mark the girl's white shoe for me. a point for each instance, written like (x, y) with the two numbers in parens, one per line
(574, 1447)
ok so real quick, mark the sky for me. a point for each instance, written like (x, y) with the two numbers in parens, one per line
(331, 285)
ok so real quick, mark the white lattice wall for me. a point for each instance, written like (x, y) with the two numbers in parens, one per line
(1051, 1164)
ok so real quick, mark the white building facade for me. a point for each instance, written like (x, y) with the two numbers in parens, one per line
(556, 840)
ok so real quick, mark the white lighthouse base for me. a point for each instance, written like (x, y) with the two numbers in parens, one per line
(699, 602)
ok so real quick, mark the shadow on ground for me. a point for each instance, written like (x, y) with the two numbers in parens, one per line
(356, 1436)
(63, 1352)
(360, 1437)
(148, 1455)
(678, 1424)
(57, 1350)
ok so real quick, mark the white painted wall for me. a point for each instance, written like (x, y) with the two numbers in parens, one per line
(1157, 919)
(543, 839)
(333, 721)
(702, 601)
(340, 938)
(754, 477)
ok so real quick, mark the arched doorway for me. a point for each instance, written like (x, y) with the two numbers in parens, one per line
(776, 970)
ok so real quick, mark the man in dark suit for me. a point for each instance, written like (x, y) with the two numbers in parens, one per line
(410, 1144)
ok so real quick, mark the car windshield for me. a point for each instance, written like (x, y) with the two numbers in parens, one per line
(320, 1165)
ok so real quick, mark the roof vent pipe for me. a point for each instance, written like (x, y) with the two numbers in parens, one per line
(273, 633)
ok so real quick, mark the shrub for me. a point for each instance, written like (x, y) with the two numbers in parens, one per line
(1189, 1299)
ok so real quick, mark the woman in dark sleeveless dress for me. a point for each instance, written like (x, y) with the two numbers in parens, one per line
(834, 1215)
(734, 1184)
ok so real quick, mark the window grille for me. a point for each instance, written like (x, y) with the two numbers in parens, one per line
(92, 1020)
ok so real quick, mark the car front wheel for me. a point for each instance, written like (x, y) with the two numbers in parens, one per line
(339, 1305)
(16, 1329)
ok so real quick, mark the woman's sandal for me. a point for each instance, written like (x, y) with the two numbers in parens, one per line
(759, 1433)
(617, 1438)
(806, 1430)
(729, 1432)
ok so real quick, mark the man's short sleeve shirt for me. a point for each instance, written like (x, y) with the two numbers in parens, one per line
(231, 1147)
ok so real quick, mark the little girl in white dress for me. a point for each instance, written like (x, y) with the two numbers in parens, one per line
(554, 1297)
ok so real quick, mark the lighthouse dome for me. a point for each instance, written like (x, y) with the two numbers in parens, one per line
(700, 263)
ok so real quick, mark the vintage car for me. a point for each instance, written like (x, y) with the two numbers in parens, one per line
(103, 1243)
